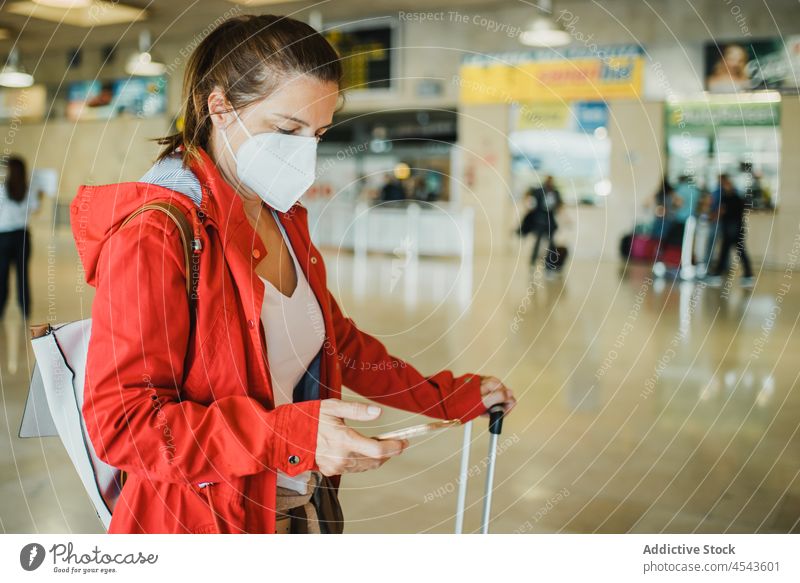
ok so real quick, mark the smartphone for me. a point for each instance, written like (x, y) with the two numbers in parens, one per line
(417, 430)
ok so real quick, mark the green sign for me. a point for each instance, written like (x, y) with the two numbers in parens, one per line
(728, 114)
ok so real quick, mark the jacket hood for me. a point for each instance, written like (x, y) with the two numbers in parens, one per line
(97, 212)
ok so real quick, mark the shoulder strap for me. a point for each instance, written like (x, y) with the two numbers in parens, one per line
(185, 229)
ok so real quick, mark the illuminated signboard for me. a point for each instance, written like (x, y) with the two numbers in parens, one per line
(366, 55)
(544, 75)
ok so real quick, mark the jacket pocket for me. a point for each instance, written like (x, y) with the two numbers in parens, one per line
(225, 504)
(208, 368)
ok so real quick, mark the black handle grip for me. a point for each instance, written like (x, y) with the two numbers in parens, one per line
(496, 414)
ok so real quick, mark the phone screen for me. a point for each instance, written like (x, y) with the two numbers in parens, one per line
(417, 430)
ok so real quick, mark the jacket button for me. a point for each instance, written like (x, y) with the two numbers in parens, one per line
(251, 323)
(256, 253)
(294, 460)
(314, 260)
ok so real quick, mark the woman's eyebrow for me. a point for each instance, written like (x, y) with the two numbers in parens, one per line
(300, 121)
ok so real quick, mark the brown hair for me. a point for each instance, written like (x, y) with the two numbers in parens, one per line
(16, 179)
(247, 57)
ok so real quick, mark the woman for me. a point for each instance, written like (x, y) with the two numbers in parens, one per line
(210, 426)
(15, 244)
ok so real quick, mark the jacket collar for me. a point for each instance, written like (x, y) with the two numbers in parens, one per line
(220, 201)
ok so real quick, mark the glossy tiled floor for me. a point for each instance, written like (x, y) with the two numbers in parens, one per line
(643, 406)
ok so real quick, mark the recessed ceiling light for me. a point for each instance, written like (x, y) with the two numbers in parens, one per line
(262, 2)
(95, 13)
(64, 3)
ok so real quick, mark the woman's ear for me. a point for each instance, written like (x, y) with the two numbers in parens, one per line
(219, 108)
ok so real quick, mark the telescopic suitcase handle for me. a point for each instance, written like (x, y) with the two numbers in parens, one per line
(496, 414)
(495, 427)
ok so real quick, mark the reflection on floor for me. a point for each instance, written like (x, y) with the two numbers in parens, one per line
(643, 406)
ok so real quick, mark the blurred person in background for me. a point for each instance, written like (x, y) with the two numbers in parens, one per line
(710, 213)
(733, 230)
(682, 204)
(708, 227)
(662, 220)
(685, 199)
(666, 230)
(17, 202)
(541, 219)
(420, 186)
(392, 190)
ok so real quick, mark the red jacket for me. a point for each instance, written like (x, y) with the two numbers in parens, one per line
(175, 411)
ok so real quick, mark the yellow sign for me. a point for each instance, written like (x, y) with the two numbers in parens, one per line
(540, 77)
(553, 115)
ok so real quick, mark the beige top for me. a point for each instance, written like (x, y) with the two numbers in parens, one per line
(294, 334)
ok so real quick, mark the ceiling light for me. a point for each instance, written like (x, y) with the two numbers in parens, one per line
(12, 75)
(262, 2)
(543, 31)
(64, 3)
(89, 14)
(142, 63)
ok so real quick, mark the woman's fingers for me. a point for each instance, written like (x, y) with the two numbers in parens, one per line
(370, 454)
(494, 398)
(494, 392)
(490, 384)
(341, 449)
(350, 410)
(372, 448)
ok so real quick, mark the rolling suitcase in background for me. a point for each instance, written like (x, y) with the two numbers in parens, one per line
(642, 248)
(495, 428)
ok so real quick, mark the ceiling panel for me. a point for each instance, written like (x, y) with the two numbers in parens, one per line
(176, 20)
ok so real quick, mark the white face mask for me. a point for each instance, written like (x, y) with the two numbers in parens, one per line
(278, 167)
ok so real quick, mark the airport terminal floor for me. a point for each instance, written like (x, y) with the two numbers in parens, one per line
(643, 405)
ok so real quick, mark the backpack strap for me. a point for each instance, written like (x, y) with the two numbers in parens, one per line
(189, 244)
(187, 239)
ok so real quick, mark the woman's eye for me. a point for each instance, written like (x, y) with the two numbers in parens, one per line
(284, 131)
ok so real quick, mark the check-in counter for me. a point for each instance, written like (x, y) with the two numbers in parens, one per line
(412, 228)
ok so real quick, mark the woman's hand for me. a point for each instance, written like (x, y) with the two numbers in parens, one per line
(494, 392)
(341, 449)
